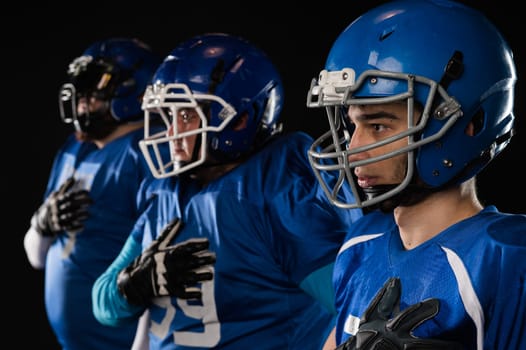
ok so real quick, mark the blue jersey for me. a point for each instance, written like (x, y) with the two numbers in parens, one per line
(275, 236)
(476, 268)
(112, 175)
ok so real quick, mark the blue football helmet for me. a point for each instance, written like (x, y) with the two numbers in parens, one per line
(116, 71)
(439, 55)
(222, 78)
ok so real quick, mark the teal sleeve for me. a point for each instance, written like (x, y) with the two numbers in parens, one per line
(109, 306)
(319, 285)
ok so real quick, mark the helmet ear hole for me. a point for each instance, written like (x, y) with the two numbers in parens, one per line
(477, 123)
(240, 122)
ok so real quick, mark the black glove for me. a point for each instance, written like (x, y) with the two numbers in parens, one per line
(378, 331)
(63, 210)
(164, 269)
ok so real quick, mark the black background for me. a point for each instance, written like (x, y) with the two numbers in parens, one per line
(38, 44)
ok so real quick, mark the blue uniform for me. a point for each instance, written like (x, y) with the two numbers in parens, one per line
(112, 175)
(275, 236)
(476, 268)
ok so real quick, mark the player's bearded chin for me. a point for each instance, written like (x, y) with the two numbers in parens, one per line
(414, 193)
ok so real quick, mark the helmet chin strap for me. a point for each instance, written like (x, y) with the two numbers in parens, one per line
(386, 205)
(96, 125)
(411, 195)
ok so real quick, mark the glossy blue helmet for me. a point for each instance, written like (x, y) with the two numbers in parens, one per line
(115, 70)
(223, 78)
(441, 56)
